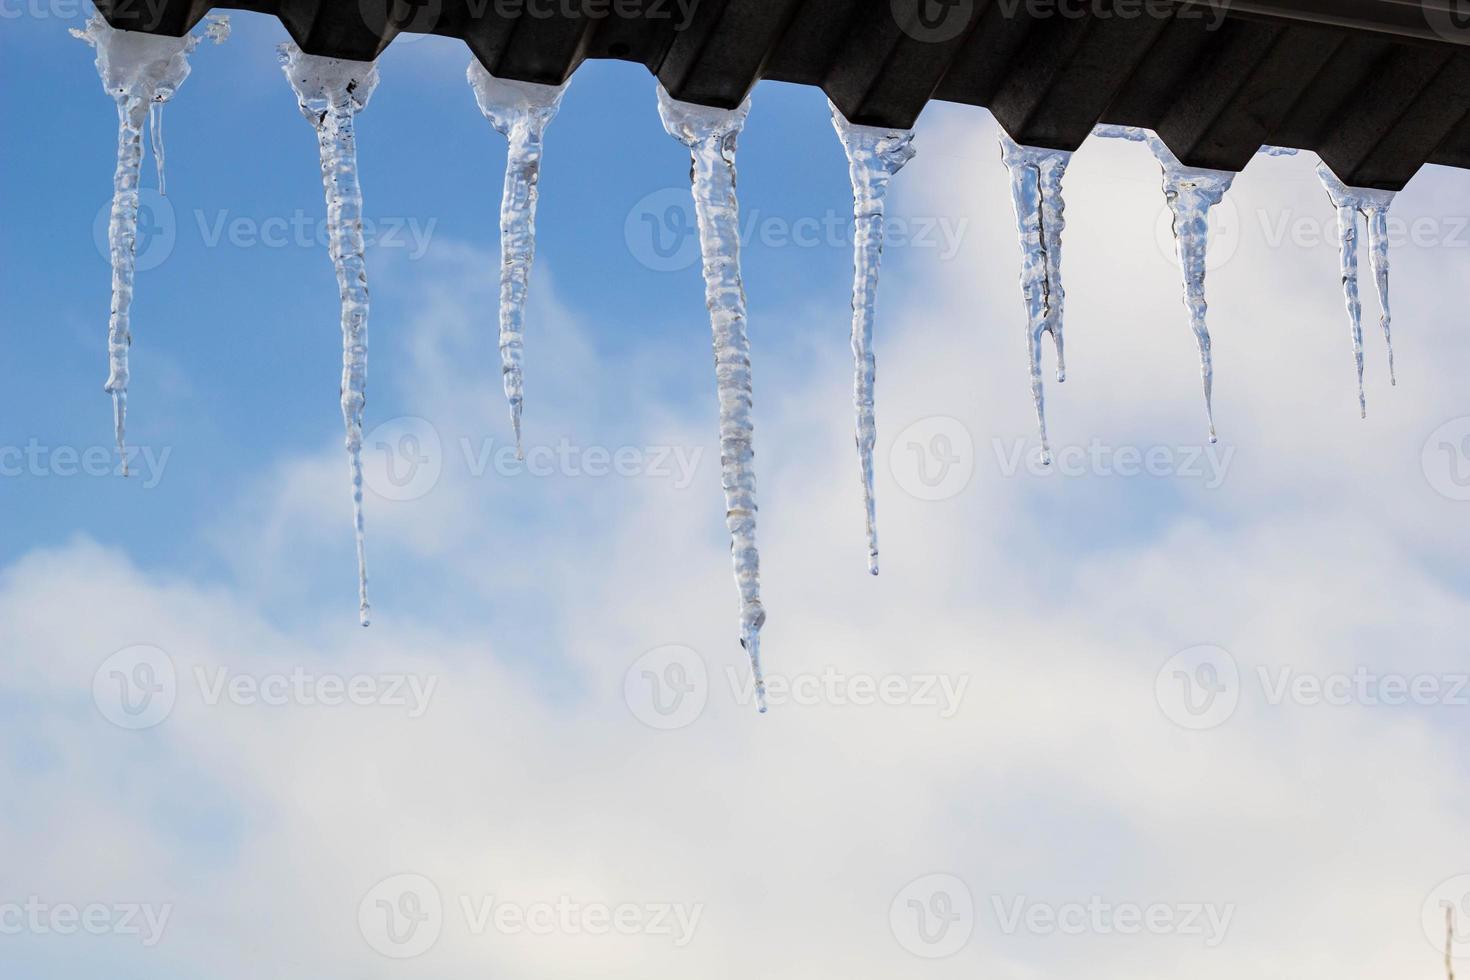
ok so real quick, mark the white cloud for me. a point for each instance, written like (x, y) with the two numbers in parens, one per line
(1323, 830)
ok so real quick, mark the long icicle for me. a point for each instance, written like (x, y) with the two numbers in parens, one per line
(1190, 193)
(519, 111)
(1377, 215)
(711, 135)
(874, 155)
(1373, 205)
(141, 72)
(1347, 237)
(1036, 193)
(331, 92)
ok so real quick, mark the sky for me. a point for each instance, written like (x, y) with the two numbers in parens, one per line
(1166, 708)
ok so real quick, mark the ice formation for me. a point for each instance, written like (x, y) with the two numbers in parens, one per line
(331, 92)
(874, 155)
(519, 111)
(141, 72)
(1190, 193)
(711, 135)
(1036, 191)
(1373, 205)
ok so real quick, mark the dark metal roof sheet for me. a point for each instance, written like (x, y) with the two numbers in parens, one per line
(1376, 87)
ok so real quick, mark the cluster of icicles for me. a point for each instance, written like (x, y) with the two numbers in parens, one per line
(143, 71)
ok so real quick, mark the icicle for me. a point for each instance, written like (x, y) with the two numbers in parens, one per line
(1036, 192)
(331, 92)
(874, 155)
(519, 111)
(1377, 215)
(1449, 940)
(141, 72)
(1190, 193)
(1373, 205)
(711, 135)
(155, 130)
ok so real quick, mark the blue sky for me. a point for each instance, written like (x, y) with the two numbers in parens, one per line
(1170, 688)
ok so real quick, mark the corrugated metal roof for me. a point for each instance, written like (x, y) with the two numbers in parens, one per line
(1376, 87)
